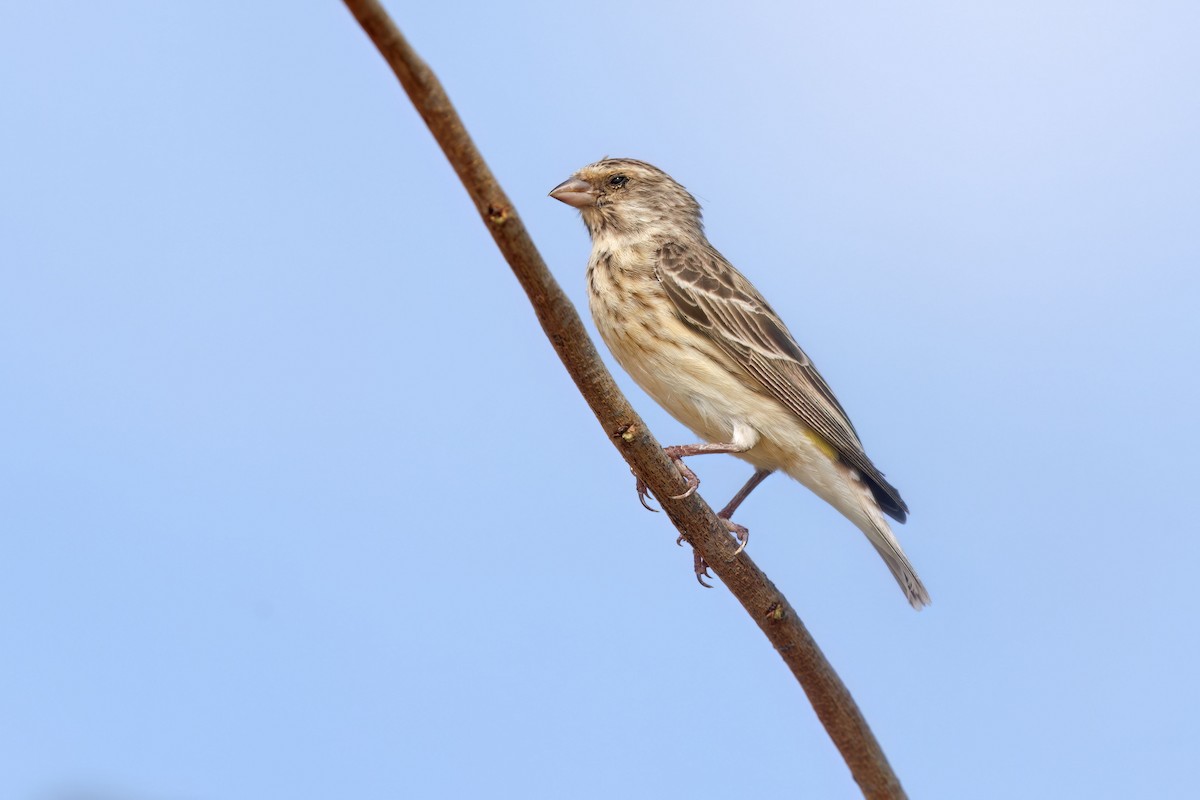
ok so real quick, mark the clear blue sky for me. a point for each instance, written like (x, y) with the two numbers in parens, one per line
(296, 501)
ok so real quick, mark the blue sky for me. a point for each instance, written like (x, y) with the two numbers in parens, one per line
(296, 501)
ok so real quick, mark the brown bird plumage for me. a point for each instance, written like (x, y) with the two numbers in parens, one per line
(701, 340)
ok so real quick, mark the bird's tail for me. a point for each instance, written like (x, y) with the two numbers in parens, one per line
(869, 518)
(841, 486)
(880, 534)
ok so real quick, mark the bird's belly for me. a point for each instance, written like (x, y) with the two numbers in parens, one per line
(688, 375)
(700, 385)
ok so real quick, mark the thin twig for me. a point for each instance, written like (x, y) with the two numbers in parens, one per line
(691, 516)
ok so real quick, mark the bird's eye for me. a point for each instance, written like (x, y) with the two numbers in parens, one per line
(617, 181)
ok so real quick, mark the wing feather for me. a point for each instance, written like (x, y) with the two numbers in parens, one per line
(719, 301)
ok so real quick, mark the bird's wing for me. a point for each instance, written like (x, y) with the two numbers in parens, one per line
(719, 301)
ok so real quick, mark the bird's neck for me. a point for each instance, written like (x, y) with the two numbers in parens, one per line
(640, 225)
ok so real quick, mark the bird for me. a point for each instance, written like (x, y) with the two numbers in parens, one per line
(703, 342)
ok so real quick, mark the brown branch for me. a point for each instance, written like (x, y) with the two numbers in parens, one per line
(691, 516)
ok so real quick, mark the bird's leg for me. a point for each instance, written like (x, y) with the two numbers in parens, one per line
(740, 531)
(677, 452)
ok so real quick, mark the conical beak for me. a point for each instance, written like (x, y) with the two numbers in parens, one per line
(574, 192)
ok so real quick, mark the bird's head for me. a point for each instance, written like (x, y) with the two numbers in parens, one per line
(622, 195)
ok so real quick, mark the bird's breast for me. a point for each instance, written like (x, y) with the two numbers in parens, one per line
(681, 368)
(687, 373)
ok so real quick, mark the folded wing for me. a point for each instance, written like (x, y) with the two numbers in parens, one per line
(718, 300)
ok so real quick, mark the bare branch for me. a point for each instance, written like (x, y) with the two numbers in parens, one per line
(691, 516)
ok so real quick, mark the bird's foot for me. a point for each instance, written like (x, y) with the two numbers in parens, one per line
(643, 492)
(740, 532)
(701, 568)
(676, 454)
(698, 564)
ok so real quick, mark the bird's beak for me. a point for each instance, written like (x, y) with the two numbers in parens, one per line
(574, 192)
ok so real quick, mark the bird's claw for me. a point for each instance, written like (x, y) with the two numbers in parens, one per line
(685, 472)
(701, 568)
(693, 483)
(740, 532)
(643, 491)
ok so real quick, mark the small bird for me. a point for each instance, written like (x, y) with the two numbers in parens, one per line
(699, 338)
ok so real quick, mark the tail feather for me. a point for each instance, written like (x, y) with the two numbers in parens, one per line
(843, 487)
(888, 547)
(868, 516)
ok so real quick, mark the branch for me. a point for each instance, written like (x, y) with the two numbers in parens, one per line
(693, 518)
